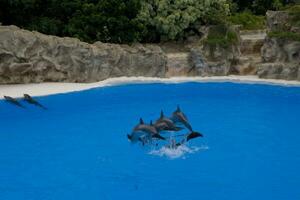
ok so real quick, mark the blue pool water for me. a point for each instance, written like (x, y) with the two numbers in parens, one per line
(77, 149)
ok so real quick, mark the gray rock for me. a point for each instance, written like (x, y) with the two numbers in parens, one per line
(201, 66)
(277, 20)
(280, 50)
(178, 64)
(280, 56)
(27, 57)
(278, 71)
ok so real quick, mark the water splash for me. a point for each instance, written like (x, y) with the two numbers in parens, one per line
(178, 152)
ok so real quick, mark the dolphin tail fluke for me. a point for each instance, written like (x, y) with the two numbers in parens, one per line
(193, 135)
(158, 137)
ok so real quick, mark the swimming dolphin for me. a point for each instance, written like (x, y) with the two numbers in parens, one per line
(30, 100)
(165, 124)
(143, 132)
(178, 117)
(13, 101)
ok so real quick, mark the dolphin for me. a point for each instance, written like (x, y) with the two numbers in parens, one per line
(165, 124)
(30, 100)
(13, 101)
(142, 132)
(178, 117)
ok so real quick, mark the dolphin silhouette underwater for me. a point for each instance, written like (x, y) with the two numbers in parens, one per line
(144, 132)
(13, 101)
(30, 100)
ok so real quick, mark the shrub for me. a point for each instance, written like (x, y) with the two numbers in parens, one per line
(171, 19)
(221, 35)
(294, 12)
(248, 20)
(285, 35)
(89, 20)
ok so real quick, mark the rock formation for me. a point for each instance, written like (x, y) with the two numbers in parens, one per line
(255, 54)
(195, 58)
(27, 57)
(280, 56)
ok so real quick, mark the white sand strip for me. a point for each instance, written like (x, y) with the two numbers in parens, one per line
(41, 89)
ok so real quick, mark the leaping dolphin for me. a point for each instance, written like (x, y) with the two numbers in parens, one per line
(143, 131)
(178, 117)
(30, 100)
(13, 101)
(165, 124)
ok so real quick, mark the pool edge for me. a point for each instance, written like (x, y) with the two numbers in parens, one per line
(43, 89)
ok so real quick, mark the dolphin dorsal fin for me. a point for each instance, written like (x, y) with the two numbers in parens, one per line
(141, 121)
(178, 109)
(161, 114)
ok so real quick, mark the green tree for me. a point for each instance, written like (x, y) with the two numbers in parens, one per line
(107, 21)
(170, 18)
(89, 20)
(261, 6)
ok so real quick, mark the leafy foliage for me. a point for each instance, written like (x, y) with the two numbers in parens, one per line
(294, 12)
(248, 20)
(260, 7)
(285, 35)
(127, 21)
(221, 35)
(171, 18)
(88, 20)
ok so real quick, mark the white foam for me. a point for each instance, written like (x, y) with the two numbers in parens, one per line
(178, 152)
(41, 89)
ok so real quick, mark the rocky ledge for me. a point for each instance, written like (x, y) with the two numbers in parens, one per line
(30, 57)
(257, 52)
(280, 55)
